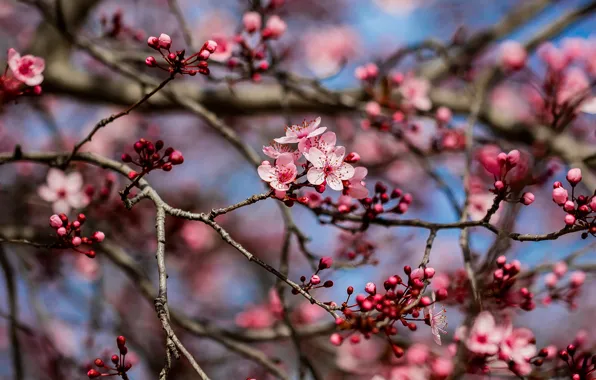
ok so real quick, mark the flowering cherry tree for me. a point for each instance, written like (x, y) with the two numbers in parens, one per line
(327, 199)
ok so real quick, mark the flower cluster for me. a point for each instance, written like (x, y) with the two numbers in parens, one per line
(69, 234)
(120, 368)
(354, 246)
(25, 79)
(579, 208)
(566, 89)
(375, 313)
(150, 158)
(314, 282)
(580, 363)
(176, 61)
(502, 166)
(503, 289)
(567, 292)
(492, 347)
(327, 165)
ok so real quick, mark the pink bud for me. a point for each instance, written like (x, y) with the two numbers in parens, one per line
(513, 157)
(425, 301)
(372, 70)
(443, 115)
(560, 268)
(513, 55)
(352, 158)
(501, 260)
(569, 206)
(373, 109)
(429, 272)
(76, 241)
(336, 339)
(252, 21)
(153, 42)
(176, 158)
(204, 55)
(276, 27)
(55, 221)
(527, 198)
(569, 220)
(165, 41)
(501, 158)
(315, 280)
(593, 203)
(417, 273)
(577, 278)
(99, 236)
(574, 176)
(560, 195)
(210, 46)
(325, 262)
(551, 280)
(61, 231)
(150, 61)
(370, 288)
(499, 185)
(498, 274)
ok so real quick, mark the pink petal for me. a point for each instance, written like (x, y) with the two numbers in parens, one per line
(422, 103)
(316, 157)
(74, 182)
(278, 185)
(317, 132)
(336, 158)
(344, 172)
(358, 191)
(359, 173)
(61, 206)
(334, 182)
(13, 59)
(267, 173)
(77, 200)
(47, 194)
(316, 176)
(589, 106)
(286, 140)
(56, 179)
(284, 159)
(34, 80)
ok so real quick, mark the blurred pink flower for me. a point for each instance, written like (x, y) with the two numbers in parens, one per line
(64, 191)
(415, 93)
(485, 336)
(326, 49)
(88, 269)
(520, 348)
(197, 236)
(356, 187)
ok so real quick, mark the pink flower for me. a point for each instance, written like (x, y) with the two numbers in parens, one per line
(327, 48)
(560, 195)
(437, 320)
(485, 336)
(281, 175)
(27, 69)
(251, 21)
(415, 93)
(560, 268)
(518, 347)
(373, 109)
(443, 115)
(442, 367)
(307, 313)
(577, 278)
(275, 27)
(574, 86)
(552, 56)
(88, 269)
(197, 236)
(297, 133)
(276, 149)
(325, 143)
(255, 317)
(329, 167)
(64, 191)
(513, 55)
(356, 187)
(223, 50)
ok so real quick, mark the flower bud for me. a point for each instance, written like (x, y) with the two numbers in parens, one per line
(574, 176)
(55, 221)
(325, 262)
(165, 41)
(527, 198)
(315, 280)
(150, 61)
(370, 288)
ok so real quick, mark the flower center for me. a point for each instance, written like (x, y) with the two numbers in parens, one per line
(61, 193)
(285, 175)
(482, 338)
(25, 67)
(327, 170)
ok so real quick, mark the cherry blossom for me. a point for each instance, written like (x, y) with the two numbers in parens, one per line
(415, 93)
(325, 143)
(513, 55)
(276, 149)
(519, 347)
(64, 191)
(28, 69)
(282, 174)
(437, 321)
(484, 336)
(297, 133)
(329, 167)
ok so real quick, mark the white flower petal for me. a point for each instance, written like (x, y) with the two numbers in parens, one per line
(316, 176)
(61, 206)
(47, 194)
(267, 173)
(317, 158)
(56, 179)
(344, 172)
(589, 106)
(74, 182)
(334, 182)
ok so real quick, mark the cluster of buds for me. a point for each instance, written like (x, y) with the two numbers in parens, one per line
(25, 79)
(120, 368)
(69, 234)
(114, 27)
(251, 53)
(503, 289)
(579, 208)
(567, 292)
(314, 281)
(104, 190)
(177, 63)
(500, 167)
(368, 74)
(579, 360)
(378, 204)
(375, 313)
(150, 158)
